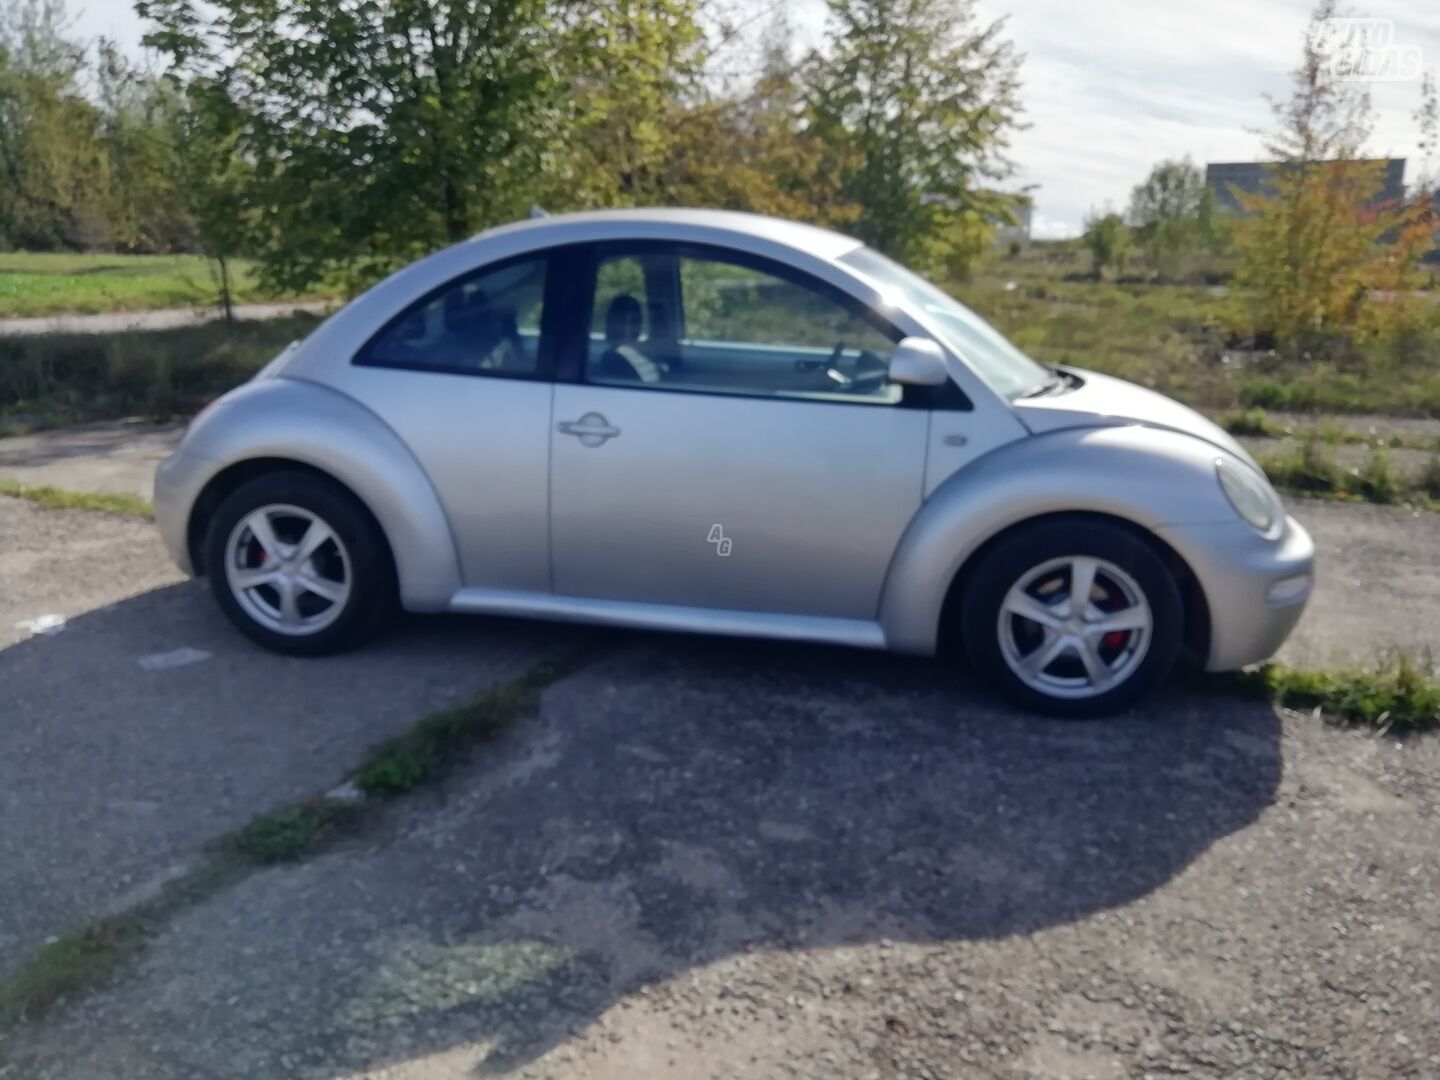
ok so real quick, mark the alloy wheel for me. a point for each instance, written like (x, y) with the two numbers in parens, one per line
(1074, 627)
(288, 569)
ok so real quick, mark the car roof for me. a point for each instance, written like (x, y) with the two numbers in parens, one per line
(643, 223)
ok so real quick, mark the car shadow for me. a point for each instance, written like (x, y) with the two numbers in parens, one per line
(146, 728)
(748, 796)
(678, 802)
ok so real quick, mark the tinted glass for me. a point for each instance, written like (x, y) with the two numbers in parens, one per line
(487, 323)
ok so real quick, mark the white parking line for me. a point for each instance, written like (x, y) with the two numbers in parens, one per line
(162, 661)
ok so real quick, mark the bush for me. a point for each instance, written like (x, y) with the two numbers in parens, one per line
(68, 378)
(1252, 422)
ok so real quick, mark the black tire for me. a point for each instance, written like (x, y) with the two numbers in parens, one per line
(1028, 547)
(372, 592)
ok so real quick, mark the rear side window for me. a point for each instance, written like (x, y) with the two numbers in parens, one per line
(486, 323)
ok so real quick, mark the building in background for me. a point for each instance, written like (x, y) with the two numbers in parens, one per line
(1019, 233)
(1224, 179)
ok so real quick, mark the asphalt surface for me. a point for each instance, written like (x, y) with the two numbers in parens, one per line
(116, 767)
(711, 858)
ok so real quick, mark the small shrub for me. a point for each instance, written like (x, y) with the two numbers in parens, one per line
(1252, 422)
(1429, 479)
(289, 834)
(64, 967)
(1307, 468)
(1400, 692)
(1375, 482)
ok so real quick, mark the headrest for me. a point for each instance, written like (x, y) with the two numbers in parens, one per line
(623, 321)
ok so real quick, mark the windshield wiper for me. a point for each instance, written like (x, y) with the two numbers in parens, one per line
(1054, 382)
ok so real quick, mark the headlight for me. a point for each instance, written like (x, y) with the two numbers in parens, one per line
(1249, 494)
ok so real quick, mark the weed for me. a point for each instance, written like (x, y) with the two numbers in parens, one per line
(52, 498)
(1398, 693)
(67, 965)
(1375, 482)
(1307, 468)
(1255, 423)
(434, 743)
(1429, 480)
(54, 379)
(290, 833)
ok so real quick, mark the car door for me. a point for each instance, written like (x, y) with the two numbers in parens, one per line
(726, 438)
(463, 377)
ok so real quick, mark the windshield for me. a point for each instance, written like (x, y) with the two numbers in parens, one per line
(1005, 369)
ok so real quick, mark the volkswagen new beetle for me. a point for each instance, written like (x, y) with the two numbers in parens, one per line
(731, 424)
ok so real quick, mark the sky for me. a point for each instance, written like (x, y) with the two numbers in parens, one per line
(1110, 87)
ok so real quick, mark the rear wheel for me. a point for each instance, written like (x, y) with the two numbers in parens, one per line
(1072, 617)
(298, 565)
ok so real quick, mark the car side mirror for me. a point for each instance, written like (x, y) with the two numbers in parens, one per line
(918, 361)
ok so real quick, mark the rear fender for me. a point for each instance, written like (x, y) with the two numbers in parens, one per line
(323, 428)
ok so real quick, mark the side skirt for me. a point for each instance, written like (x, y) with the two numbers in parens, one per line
(859, 633)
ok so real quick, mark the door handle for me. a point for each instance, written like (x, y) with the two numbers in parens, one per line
(592, 429)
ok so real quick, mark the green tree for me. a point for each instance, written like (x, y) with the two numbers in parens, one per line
(147, 205)
(379, 131)
(632, 69)
(1107, 238)
(54, 175)
(1319, 244)
(1169, 213)
(756, 151)
(920, 101)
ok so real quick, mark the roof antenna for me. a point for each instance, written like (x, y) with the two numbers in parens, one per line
(538, 212)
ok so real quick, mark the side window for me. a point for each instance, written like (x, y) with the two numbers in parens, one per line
(742, 330)
(486, 323)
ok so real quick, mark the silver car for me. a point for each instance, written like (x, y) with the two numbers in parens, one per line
(730, 424)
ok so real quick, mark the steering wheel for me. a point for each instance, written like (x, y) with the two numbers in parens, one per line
(832, 370)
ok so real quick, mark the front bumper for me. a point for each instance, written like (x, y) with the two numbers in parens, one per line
(1256, 589)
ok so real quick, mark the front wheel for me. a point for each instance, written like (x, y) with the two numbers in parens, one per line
(1072, 617)
(298, 565)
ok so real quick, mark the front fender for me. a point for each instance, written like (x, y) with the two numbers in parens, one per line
(323, 428)
(1152, 477)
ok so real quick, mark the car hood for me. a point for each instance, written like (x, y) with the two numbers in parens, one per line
(1105, 401)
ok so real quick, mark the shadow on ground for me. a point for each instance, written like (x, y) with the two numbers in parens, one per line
(679, 802)
(116, 768)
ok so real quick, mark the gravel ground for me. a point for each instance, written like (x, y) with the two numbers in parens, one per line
(117, 457)
(712, 859)
(1377, 583)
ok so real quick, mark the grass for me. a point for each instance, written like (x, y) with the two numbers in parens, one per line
(436, 742)
(1176, 338)
(1309, 468)
(1256, 423)
(291, 832)
(53, 498)
(1181, 339)
(54, 379)
(51, 284)
(89, 955)
(1401, 693)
